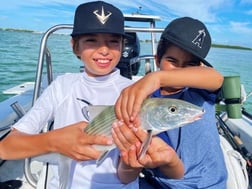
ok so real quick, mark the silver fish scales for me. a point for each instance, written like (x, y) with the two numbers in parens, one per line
(156, 114)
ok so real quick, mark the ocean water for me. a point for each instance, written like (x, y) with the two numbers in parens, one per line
(19, 55)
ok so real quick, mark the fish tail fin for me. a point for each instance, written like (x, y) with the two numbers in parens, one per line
(64, 172)
(145, 144)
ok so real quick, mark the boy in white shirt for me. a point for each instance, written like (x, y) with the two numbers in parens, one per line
(97, 40)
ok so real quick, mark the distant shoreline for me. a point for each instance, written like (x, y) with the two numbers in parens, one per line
(147, 41)
(19, 30)
(231, 47)
(217, 46)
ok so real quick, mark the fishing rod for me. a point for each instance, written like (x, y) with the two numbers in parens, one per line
(247, 114)
(236, 143)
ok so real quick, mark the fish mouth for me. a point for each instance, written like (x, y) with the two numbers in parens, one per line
(198, 116)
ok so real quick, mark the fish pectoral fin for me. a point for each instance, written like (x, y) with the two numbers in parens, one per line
(145, 144)
(102, 158)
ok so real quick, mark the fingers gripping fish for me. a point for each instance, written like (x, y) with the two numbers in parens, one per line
(156, 115)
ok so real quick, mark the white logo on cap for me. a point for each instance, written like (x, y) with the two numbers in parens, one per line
(199, 39)
(102, 18)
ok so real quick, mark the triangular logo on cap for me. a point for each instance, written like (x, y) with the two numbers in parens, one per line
(199, 39)
(102, 17)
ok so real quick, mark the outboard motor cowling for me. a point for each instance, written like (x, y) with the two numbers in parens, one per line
(131, 49)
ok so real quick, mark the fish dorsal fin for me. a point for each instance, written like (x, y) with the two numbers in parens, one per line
(95, 110)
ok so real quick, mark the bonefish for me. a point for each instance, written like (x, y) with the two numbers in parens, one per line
(156, 115)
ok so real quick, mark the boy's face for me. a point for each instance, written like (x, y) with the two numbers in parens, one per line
(176, 57)
(99, 52)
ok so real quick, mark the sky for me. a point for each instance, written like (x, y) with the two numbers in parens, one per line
(228, 21)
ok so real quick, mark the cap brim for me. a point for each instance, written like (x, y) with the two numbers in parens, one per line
(122, 34)
(206, 63)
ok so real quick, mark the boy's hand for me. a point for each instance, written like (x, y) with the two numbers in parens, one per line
(129, 141)
(72, 141)
(129, 102)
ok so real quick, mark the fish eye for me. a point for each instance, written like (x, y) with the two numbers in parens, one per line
(172, 109)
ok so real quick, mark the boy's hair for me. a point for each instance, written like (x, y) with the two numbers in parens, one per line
(189, 34)
(163, 45)
(75, 44)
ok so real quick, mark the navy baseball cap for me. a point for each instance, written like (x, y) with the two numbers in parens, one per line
(98, 17)
(191, 35)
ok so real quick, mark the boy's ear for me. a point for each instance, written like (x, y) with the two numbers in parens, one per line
(157, 61)
(75, 48)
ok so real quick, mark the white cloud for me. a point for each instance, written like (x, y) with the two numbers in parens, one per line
(249, 12)
(3, 17)
(216, 14)
(241, 27)
(246, 2)
(194, 8)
